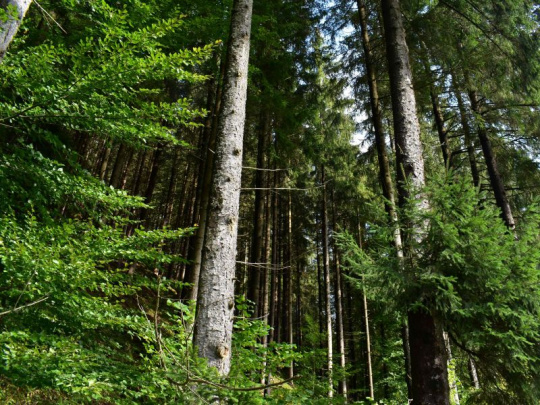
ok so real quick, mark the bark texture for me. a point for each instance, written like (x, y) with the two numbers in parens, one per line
(428, 361)
(11, 26)
(215, 303)
(406, 127)
(429, 373)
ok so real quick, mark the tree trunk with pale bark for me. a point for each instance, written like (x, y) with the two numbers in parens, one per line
(429, 372)
(9, 28)
(215, 303)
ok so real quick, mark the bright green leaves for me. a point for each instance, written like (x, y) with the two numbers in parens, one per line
(112, 83)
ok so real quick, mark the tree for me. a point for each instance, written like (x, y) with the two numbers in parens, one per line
(429, 374)
(215, 304)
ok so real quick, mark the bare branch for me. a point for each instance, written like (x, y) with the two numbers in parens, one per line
(17, 309)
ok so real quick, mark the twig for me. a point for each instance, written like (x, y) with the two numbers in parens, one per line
(50, 16)
(24, 306)
(226, 387)
(281, 188)
(264, 170)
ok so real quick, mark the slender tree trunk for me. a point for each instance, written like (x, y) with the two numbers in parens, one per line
(429, 372)
(437, 112)
(384, 173)
(279, 321)
(254, 275)
(469, 144)
(350, 341)
(152, 181)
(376, 117)
(274, 280)
(288, 285)
(491, 162)
(118, 168)
(298, 289)
(338, 292)
(320, 283)
(368, 346)
(263, 299)
(104, 161)
(366, 329)
(473, 373)
(326, 272)
(9, 28)
(453, 380)
(191, 292)
(441, 130)
(274, 268)
(125, 172)
(136, 186)
(171, 190)
(384, 349)
(407, 358)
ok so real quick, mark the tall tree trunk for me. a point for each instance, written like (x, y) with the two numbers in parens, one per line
(407, 358)
(368, 346)
(263, 299)
(254, 275)
(384, 173)
(205, 183)
(469, 144)
(453, 380)
(376, 118)
(326, 272)
(136, 186)
(350, 341)
(9, 28)
(491, 162)
(367, 333)
(441, 130)
(119, 164)
(288, 285)
(215, 303)
(171, 190)
(274, 266)
(473, 373)
(429, 372)
(152, 181)
(437, 112)
(338, 293)
(320, 283)
(104, 161)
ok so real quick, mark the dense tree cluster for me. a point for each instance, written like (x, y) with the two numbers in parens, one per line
(238, 201)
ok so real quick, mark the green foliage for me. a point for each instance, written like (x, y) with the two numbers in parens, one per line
(109, 83)
(476, 275)
(86, 313)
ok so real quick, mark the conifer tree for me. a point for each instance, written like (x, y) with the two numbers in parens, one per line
(429, 373)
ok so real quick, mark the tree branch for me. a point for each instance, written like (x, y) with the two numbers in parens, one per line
(17, 309)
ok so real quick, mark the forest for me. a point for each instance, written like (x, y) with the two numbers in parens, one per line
(270, 201)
